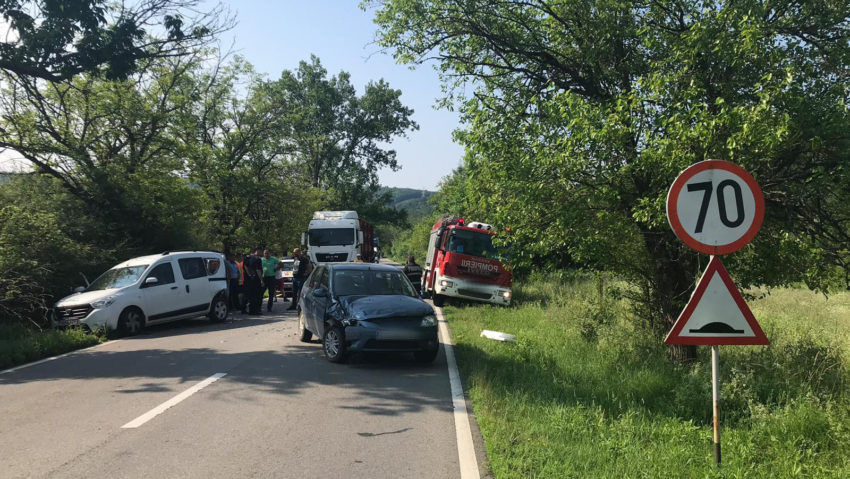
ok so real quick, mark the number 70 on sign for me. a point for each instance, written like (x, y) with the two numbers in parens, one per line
(715, 207)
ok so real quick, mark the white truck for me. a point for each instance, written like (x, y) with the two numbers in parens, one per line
(337, 236)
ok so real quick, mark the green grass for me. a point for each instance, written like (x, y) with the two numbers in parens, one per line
(584, 393)
(19, 344)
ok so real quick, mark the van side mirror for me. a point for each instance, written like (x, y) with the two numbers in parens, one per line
(320, 293)
(303, 239)
(151, 281)
(79, 289)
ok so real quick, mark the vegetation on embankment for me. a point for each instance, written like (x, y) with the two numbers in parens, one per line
(20, 344)
(584, 393)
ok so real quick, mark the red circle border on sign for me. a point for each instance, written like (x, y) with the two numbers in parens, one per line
(673, 215)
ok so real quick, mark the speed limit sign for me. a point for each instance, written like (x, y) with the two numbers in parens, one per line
(715, 207)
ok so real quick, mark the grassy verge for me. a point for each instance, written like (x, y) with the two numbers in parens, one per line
(584, 393)
(19, 345)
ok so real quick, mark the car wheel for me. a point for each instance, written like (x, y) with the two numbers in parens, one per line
(334, 345)
(131, 322)
(426, 356)
(439, 300)
(304, 334)
(218, 309)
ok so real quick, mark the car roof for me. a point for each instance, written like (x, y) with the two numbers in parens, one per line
(361, 266)
(150, 259)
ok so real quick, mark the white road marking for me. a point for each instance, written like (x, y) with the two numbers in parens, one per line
(41, 361)
(463, 432)
(171, 402)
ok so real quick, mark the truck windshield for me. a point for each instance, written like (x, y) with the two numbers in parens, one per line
(472, 243)
(332, 237)
(117, 278)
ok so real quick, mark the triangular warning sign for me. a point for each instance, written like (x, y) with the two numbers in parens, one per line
(717, 313)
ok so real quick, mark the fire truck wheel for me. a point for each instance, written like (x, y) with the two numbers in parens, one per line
(439, 300)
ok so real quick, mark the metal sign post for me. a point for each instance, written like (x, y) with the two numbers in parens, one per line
(715, 399)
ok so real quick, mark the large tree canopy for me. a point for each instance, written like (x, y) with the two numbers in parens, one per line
(583, 112)
(56, 40)
(340, 138)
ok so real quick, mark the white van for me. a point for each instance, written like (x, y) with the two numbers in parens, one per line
(149, 290)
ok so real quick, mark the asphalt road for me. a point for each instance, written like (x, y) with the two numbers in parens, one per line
(280, 411)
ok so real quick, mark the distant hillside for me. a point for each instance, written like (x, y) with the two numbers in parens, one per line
(415, 202)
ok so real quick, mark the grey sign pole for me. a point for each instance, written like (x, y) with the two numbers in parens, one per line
(715, 396)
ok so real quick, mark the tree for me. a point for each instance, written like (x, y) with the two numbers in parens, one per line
(57, 40)
(111, 145)
(338, 137)
(583, 113)
(231, 137)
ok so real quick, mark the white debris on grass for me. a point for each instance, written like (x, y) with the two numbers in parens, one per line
(498, 336)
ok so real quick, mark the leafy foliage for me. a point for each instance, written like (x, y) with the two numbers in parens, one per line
(57, 40)
(583, 113)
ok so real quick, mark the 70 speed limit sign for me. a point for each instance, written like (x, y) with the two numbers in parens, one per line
(715, 207)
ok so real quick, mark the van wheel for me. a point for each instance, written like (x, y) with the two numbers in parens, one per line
(131, 322)
(218, 309)
(439, 300)
(304, 334)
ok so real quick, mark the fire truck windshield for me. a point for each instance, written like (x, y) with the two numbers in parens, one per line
(472, 243)
(331, 237)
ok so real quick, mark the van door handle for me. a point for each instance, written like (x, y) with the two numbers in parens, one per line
(174, 287)
(187, 288)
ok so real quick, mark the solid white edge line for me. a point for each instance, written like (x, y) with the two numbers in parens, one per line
(171, 402)
(463, 432)
(41, 361)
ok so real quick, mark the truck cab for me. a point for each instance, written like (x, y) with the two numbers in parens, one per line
(334, 236)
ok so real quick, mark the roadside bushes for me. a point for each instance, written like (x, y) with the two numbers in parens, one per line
(559, 404)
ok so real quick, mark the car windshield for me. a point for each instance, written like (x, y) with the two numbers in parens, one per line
(331, 236)
(370, 282)
(287, 265)
(472, 243)
(118, 278)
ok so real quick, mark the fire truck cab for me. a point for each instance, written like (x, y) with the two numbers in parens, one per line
(462, 263)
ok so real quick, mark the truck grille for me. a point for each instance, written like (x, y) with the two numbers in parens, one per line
(73, 313)
(331, 257)
(474, 294)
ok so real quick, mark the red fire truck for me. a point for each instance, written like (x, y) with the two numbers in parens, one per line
(462, 263)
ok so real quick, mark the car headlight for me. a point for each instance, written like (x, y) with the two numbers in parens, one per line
(428, 321)
(446, 283)
(506, 294)
(103, 303)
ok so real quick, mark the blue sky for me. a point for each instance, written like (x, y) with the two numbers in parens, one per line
(276, 35)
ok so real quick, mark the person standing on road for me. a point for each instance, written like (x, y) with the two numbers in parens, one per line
(414, 273)
(241, 301)
(254, 282)
(300, 270)
(232, 282)
(270, 265)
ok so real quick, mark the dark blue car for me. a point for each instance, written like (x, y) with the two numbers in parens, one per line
(366, 307)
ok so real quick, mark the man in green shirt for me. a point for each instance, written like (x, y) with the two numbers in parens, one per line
(270, 265)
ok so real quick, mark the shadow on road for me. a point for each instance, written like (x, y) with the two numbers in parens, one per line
(379, 384)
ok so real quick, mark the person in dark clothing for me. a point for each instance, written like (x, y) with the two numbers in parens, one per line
(413, 272)
(300, 270)
(254, 282)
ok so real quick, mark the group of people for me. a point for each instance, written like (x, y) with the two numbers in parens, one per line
(251, 275)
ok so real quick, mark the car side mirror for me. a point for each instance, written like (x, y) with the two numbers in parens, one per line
(320, 293)
(424, 295)
(79, 289)
(151, 281)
